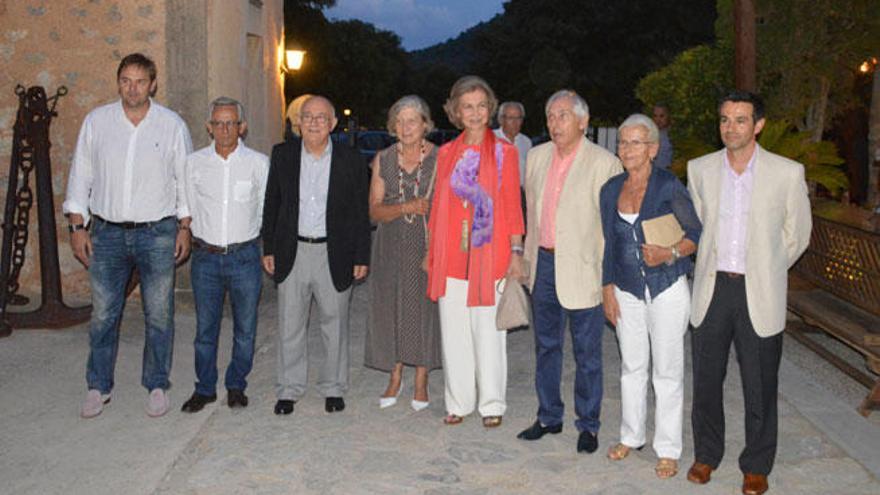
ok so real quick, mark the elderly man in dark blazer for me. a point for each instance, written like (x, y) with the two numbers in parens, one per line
(316, 241)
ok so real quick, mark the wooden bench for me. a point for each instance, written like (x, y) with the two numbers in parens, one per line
(835, 288)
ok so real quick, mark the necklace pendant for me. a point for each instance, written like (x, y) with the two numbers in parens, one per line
(464, 236)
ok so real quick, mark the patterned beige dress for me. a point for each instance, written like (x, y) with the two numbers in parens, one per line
(403, 324)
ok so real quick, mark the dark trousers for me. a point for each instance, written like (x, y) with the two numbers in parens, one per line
(727, 319)
(586, 327)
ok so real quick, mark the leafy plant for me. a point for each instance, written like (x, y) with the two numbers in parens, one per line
(820, 159)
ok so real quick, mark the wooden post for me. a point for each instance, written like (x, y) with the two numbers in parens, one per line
(874, 144)
(744, 30)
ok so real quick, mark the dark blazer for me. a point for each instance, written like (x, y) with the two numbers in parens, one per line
(348, 223)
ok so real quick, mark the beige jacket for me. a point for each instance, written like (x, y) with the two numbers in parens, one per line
(579, 241)
(778, 232)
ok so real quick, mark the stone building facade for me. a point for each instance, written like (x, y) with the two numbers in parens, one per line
(203, 49)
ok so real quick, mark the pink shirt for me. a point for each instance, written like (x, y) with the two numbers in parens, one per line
(552, 188)
(733, 218)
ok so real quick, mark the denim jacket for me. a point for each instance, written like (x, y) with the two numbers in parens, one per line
(623, 264)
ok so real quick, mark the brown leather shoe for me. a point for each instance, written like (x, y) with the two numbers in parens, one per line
(700, 473)
(754, 484)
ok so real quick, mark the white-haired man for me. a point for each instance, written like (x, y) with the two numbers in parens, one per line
(225, 185)
(564, 248)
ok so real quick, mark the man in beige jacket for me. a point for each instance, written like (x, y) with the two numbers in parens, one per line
(756, 223)
(564, 248)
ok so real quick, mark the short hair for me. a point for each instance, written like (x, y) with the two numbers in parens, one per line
(661, 104)
(319, 97)
(140, 60)
(417, 104)
(225, 101)
(516, 104)
(579, 105)
(465, 85)
(740, 96)
(640, 119)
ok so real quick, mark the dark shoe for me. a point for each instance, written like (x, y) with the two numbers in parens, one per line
(236, 398)
(334, 404)
(587, 442)
(197, 402)
(754, 484)
(700, 473)
(284, 406)
(537, 431)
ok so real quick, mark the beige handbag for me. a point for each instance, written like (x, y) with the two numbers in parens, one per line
(513, 306)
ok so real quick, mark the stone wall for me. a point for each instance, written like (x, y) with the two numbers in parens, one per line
(203, 48)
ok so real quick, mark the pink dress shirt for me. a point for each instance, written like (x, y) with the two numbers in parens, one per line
(733, 218)
(552, 189)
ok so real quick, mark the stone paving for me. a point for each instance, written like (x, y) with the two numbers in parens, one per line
(46, 448)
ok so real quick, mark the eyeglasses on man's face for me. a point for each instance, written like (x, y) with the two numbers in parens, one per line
(318, 118)
(225, 124)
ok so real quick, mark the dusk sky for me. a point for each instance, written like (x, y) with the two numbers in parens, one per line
(419, 23)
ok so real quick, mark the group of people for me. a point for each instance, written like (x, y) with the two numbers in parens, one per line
(451, 228)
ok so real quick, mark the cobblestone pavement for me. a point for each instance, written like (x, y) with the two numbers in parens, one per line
(824, 447)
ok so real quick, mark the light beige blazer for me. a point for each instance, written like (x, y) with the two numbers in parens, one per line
(778, 232)
(579, 241)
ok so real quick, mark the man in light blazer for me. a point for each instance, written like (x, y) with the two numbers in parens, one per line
(756, 223)
(564, 247)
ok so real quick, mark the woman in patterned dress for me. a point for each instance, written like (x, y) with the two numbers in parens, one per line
(403, 326)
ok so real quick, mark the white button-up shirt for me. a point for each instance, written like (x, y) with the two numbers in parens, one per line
(226, 195)
(733, 218)
(523, 145)
(127, 173)
(314, 183)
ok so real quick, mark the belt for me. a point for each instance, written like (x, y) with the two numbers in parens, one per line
(311, 240)
(132, 225)
(228, 249)
(731, 274)
(548, 250)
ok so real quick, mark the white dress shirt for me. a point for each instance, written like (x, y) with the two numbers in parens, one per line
(314, 183)
(523, 145)
(127, 173)
(733, 216)
(226, 195)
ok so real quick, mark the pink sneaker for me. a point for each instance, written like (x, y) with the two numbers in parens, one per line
(157, 404)
(94, 404)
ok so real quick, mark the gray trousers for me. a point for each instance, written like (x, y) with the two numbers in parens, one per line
(310, 278)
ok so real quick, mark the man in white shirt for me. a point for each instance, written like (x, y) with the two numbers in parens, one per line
(510, 116)
(225, 185)
(126, 185)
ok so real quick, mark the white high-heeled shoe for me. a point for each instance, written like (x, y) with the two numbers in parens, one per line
(385, 402)
(418, 405)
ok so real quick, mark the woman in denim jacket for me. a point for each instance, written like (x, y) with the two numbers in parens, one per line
(645, 291)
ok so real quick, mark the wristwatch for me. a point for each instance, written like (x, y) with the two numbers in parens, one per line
(675, 256)
(73, 227)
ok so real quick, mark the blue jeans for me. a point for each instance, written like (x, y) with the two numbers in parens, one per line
(213, 275)
(586, 335)
(115, 253)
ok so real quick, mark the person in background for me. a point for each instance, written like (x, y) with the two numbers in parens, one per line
(666, 153)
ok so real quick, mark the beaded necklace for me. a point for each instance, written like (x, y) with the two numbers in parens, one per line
(409, 217)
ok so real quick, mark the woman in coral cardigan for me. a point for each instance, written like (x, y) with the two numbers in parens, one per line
(475, 240)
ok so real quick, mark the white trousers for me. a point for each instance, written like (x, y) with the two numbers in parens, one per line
(652, 331)
(474, 354)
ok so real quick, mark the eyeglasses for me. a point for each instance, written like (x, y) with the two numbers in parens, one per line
(512, 117)
(633, 143)
(226, 124)
(307, 118)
